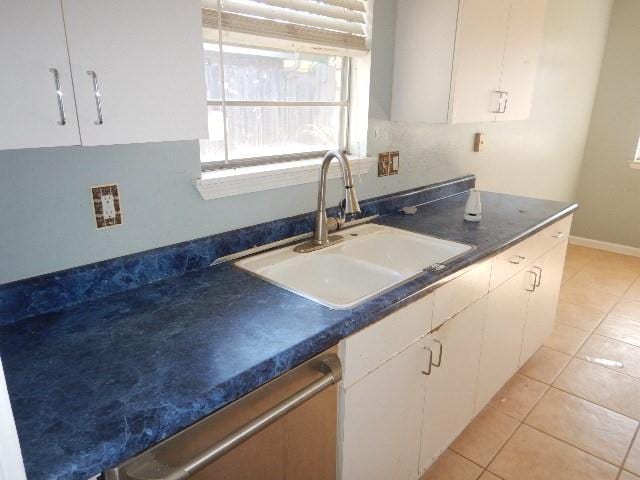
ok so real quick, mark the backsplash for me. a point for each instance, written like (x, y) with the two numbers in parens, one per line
(59, 290)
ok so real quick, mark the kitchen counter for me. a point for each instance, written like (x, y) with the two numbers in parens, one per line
(103, 380)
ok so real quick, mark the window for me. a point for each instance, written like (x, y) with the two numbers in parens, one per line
(276, 105)
(278, 78)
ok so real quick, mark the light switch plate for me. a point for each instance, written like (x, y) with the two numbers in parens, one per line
(383, 164)
(388, 163)
(106, 205)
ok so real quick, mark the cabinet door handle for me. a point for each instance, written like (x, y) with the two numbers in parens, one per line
(97, 95)
(558, 235)
(503, 100)
(441, 348)
(429, 362)
(60, 96)
(506, 103)
(538, 276)
(532, 287)
(517, 260)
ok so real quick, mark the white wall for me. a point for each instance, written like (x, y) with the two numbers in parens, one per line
(609, 192)
(540, 157)
(45, 208)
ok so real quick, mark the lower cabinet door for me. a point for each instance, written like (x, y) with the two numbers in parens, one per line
(451, 387)
(543, 301)
(381, 418)
(503, 332)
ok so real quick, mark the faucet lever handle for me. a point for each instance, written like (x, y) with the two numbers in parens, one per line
(342, 208)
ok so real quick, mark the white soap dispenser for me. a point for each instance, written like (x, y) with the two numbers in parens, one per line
(473, 209)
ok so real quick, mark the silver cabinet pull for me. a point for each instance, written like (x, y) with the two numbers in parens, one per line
(439, 362)
(538, 276)
(517, 260)
(429, 362)
(558, 235)
(506, 103)
(532, 286)
(60, 96)
(503, 100)
(333, 374)
(97, 95)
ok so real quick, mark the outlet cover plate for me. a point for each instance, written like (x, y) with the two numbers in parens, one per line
(106, 205)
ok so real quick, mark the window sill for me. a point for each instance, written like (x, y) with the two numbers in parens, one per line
(238, 181)
(634, 164)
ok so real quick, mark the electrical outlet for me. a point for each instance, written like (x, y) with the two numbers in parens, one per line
(106, 205)
(394, 163)
(108, 209)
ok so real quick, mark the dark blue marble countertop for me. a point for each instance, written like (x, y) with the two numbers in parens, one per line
(95, 384)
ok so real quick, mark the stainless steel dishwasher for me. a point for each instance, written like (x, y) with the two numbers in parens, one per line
(285, 430)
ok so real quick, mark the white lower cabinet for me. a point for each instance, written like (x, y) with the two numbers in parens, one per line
(451, 387)
(502, 341)
(381, 419)
(543, 301)
(398, 410)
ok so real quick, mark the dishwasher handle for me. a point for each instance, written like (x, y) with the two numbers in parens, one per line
(332, 369)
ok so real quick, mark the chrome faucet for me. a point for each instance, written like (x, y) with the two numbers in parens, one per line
(325, 225)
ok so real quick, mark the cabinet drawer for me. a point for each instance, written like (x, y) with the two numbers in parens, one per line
(513, 260)
(366, 350)
(553, 235)
(460, 292)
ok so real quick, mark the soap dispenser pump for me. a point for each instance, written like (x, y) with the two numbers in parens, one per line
(473, 209)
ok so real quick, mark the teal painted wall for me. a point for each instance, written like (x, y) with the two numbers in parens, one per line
(45, 209)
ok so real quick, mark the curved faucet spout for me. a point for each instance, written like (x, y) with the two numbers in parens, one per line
(321, 237)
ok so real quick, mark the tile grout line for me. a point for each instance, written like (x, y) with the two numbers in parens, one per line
(626, 457)
(595, 403)
(566, 442)
(617, 339)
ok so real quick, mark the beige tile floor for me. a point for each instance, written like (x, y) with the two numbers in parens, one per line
(573, 410)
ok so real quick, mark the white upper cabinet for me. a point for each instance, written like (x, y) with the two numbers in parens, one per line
(466, 61)
(136, 65)
(520, 65)
(478, 60)
(423, 55)
(145, 59)
(36, 92)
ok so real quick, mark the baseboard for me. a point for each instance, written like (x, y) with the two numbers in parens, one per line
(608, 246)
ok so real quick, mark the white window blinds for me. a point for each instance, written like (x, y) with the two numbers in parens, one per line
(321, 25)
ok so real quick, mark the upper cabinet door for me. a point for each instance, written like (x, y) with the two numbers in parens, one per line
(520, 65)
(423, 60)
(36, 93)
(478, 60)
(138, 69)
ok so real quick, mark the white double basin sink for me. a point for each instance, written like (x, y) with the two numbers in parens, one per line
(371, 260)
